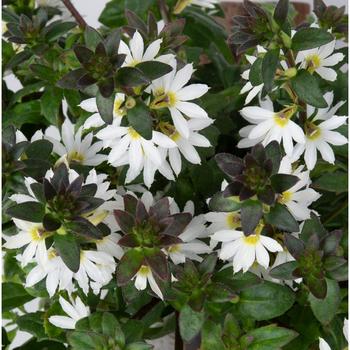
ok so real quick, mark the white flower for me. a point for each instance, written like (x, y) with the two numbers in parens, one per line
(244, 250)
(72, 146)
(323, 344)
(182, 4)
(170, 92)
(129, 147)
(186, 146)
(95, 120)
(109, 244)
(143, 275)
(96, 266)
(346, 329)
(269, 126)
(31, 235)
(299, 197)
(319, 135)
(55, 271)
(320, 59)
(191, 246)
(75, 310)
(136, 53)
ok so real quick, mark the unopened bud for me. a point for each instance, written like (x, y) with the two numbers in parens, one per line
(130, 103)
(286, 39)
(290, 72)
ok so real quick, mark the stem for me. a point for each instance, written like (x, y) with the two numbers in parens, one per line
(80, 20)
(144, 309)
(164, 11)
(178, 340)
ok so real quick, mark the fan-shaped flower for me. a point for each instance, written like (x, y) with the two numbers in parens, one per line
(144, 275)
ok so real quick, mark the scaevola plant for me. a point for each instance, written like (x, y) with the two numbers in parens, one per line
(164, 175)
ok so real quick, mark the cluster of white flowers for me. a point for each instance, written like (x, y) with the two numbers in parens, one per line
(171, 138)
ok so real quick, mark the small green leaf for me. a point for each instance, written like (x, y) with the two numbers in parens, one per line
(309, 38)
(332, 182)
(69, 250)
(33, 323)
(268, 68)
(281, 11)
(13, 295)
(131, 77)
(28, 211)
(251, 213)
(51, 103)
(57, 29)
(190, 323)
(153, 69)
(40, 149)
(325, 309)
(255, 73)
(140, 119)
(44, 72)
(306, 87)
(284, 271)
(70, 80)
(269, 337)
(138, 346)
(105, 107)
(220, 203)
(92, 38)
(283, 182)
(211, 336)
(265, 301)
(111, 328)
(129, 264)
(281, 218)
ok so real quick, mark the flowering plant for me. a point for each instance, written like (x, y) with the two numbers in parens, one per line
(162, 176)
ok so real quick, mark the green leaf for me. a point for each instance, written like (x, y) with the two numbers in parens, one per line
(281, 218)
(251, 213)
(309, 38)
(190, 323)
(26, 90)
(138, 346)
(57, 29)
(13, 295)
(220, 203)
(325, 309)
(105, 107)
(70, 80)
(44, 72)
(131, 77)
(33, 323)
(306, 87)
(51, 103)
(33, 344)
(255, 73)
(83, 341)
(69, 250)
(268, 67)
(281, 11)
(332, 182)
(211, 336)
(40, 149)
(269, 337)
(111, 328)
(28, 211)
(153, 69)
(140, 119)
(284, 271)
(113, 14)
(92, 38)
(283, 182)
(265, 301)
(129, 265)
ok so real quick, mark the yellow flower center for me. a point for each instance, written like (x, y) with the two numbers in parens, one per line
(313, 62)
(181, 5)
(174, 248)
(285, 197)
(38, 234)
(163, 100)
(144, 270)
(75, 156)
(252, 239)
(133, 133)
(175, 136)
(97, 218)
(282, 118)
(52, 254)
(118, 111)
(233, 220)
(313, 132)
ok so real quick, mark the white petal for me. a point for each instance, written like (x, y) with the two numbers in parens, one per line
(333, 123)
(175, 160)
(140, 282)
(326, 152)
(191, 110)
(94, 121)
(226, 235)
(152, 50)
(333, 60)
(89, 105)
(151, 152)
(323, 345)
(180, 122)
(182, 77)
(334, 138)
(310, 155)
(262, 256)
(154, 286)
(261, 129)
(68, 308)
(163, 140)
(192, 92)
(62, 322)
(327, 73)
(136, 46)
(271, 244)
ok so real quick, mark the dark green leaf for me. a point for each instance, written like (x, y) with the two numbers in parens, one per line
(325, 309)
(306, 87)
(190, 323)
(211, 336)
(28, 211)
(281, 11)
(281, 218)
(220, 203)
(153, 69)
(92, 38)
(140, 119)
(129, 264)
(70, 80)
(251, 213)
(131, 77)
(57, 29)
(283, 182)
(309, 38)
(332, 182)
(105, 107)
(284, 271)
(13, 295)
(255, 73)
(69, 250)
(44, 72)
(51, 103)
(269, 66)
(33, 323)
(256, 302)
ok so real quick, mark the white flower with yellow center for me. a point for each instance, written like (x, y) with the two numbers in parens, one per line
(170, 92)
(271, 126)
(96, 269)
(74, 148)
(192, 246)
(55, 271)
(319, 60)
(129, 147)
(76, 310)
(109, 244)
(299, 197)
(32, 235)
(95, 120)
(144, 275)
(244, 250)
(136, 53)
